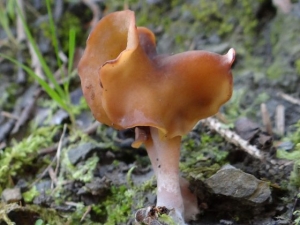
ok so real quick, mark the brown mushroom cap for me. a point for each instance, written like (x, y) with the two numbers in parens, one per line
(127, 85)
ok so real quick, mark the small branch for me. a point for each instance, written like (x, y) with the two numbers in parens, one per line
(233, 138)
(44, 172)
(88, 210)
(289, 98)
(91, 129)
(50, 149)
(96, 11)
(9, 115)
(35, 63)
(52, 176)
(26, 112)
(284, 5)
(21, 36)
(2, 145)
(58, 153)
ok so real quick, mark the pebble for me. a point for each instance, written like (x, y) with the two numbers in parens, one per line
(11, 195)
(235, 183)
(81, 152)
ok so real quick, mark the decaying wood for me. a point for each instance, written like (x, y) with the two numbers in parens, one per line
(233, 138)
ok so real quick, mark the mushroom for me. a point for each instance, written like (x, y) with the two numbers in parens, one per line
(128, 85)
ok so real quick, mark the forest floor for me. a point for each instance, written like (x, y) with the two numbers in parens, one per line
(59, 166)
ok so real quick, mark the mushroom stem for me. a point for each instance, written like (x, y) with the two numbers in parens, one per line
(164, 154)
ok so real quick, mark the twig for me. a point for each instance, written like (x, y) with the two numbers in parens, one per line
(35, 63)
(89, 208)
(44, 172)
(26, 112)
(91, 129)
(2, 145)
(20, 107)
(52, 176)
(9, 115)
(21, 36)
(266, 118)
(75, 204)
(280, 119)
(58, 10)
(96, 11)
(125, 5)
(284, 5)
(289, 98)
(233, 138)
(49, 149)
(59, 150)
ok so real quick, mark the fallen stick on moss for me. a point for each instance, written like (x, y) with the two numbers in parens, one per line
(233, 138)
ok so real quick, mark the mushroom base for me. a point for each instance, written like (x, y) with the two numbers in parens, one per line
(172, 191)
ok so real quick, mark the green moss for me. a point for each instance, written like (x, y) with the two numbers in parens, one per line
(116, 208)
(293, 155)
(30, 194)
(166, 219)
(8, 96)
(276, 70)
(14, 158)
(295, 136)
(297, 64)
(48, 216)
(222, 17)
(122, 201)
(201, 160)
(69, 21)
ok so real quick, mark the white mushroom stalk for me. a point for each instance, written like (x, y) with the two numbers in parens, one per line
(172, 191)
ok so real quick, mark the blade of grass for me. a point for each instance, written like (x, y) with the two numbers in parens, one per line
(53, 33)
(5, 24)
(10, 8)
(45, 67)
(52, 93)
(72, 39)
